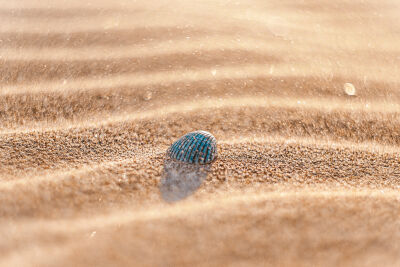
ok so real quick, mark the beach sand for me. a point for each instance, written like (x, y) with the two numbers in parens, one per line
(94, 92)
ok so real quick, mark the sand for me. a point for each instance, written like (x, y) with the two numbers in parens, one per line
(93, 93)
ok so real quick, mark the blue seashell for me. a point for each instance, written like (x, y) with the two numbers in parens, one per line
(195, 147)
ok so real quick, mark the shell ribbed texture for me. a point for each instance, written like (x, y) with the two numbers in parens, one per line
(195, 147)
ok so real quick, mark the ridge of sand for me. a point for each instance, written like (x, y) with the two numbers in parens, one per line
(98, 167)
(324, 105)
(101, 228)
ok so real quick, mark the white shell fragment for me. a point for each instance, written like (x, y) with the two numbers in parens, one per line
(349, 89)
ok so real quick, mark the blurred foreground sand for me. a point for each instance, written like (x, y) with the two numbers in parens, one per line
(93, 94)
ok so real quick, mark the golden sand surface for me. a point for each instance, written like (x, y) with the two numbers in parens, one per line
(302, 96)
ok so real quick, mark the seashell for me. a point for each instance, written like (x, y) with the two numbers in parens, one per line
(349, 89)
(195, 147)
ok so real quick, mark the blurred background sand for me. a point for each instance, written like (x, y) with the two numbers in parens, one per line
(92, 93)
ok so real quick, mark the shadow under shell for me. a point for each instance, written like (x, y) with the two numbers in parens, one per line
(180, 179)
